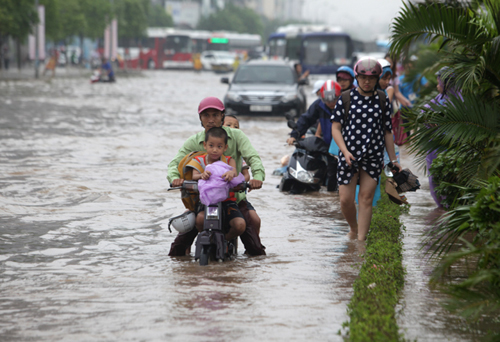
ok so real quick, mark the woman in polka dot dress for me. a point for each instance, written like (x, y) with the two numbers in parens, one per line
(361, 139)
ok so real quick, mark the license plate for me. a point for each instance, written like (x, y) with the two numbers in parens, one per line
(256, 108)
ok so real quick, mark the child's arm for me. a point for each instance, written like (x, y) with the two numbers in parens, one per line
(197, 175)
(390, 93)
(228, 176)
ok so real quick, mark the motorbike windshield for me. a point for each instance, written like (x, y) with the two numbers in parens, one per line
(313, 144)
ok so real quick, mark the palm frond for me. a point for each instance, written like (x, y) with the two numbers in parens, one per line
(490, 163)
(460, 25)
(479, 293)
(450, 227)
(458, 122)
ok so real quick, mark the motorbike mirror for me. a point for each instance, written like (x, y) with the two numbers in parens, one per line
(224, 80)
(292, 124)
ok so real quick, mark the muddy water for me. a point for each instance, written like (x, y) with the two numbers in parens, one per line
(83, 227)
(83, 224)
(423, 317)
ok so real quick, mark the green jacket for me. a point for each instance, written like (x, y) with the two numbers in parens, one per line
(239, 147)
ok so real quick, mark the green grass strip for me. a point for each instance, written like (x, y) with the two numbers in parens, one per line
(376, 291)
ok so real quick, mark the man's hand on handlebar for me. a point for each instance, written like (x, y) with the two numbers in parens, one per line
(254, 184)
(290, 141)
(177, 182)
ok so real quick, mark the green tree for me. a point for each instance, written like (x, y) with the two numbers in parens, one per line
(132, 19)
(158, 17)
(52, 19)
(469, 31)
(468, 34)
(97, 15)
(72, 19)
(233, 18)
(17, 18)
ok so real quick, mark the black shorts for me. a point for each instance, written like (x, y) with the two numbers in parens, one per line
(249, 205)
(231, 210)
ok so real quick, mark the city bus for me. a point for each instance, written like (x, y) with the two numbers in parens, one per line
(170, 48)
(240, 43)
(321, 50)
(180, 46)
(276, 46)
(146, 53)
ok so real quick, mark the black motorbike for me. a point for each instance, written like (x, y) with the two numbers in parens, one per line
(307, 169)
(211, 243)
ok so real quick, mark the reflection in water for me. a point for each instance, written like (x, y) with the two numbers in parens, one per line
(423, 317)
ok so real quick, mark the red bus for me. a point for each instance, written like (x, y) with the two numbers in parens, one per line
(180, 45)
(147, 53)
(166, 47)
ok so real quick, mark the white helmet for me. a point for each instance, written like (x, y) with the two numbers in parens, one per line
(317, 86)
(183, 223)
(384, 63)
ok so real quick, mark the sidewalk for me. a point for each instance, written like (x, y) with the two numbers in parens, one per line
(28, 73)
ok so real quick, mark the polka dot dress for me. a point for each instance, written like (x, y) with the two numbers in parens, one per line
(363, 135)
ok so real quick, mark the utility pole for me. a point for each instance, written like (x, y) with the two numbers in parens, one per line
(36, 41)
(111, 33)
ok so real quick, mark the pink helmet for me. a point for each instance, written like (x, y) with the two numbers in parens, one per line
(330, 90)
(210, 102)
(368, 66)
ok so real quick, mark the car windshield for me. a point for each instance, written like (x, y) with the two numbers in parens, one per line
(324, 50)
(264, 74)
(224, 54)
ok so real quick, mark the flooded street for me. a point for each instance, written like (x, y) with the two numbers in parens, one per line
(84, 209)
(84, 212)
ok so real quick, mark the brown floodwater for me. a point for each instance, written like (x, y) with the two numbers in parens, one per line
(84, 239)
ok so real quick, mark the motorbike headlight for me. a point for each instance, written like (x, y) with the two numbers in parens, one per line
(233, 96)
(289, 97)
(302, 175)
(305, 177)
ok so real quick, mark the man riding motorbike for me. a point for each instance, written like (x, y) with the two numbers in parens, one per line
(211, 112)
(321, 110)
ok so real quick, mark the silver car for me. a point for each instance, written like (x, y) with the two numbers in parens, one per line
(265, 88)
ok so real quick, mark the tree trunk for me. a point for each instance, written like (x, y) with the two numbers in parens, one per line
(18, 52)
(80, 58)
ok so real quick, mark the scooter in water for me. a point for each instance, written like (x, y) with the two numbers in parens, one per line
(307, 169)
(210, 243)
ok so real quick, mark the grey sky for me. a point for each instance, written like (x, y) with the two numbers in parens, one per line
(363, 19)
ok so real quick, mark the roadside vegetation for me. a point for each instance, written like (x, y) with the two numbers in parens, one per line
(372, 310)
(465, 131)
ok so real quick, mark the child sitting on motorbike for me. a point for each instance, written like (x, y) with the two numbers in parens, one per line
(233, 122)
(216, 144)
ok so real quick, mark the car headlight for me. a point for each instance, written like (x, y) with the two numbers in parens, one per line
(302, 175)
(233, 97)
(289, 97)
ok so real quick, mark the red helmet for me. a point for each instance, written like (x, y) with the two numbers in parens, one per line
(210, 102)
(330, 91)
(368, 66)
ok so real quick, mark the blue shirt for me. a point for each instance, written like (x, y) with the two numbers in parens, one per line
(407, 88)
(316, 111)
(109, 70)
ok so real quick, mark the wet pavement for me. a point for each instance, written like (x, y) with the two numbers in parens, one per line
(84, 209)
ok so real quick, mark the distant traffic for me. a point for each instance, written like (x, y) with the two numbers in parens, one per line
(318, 49)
